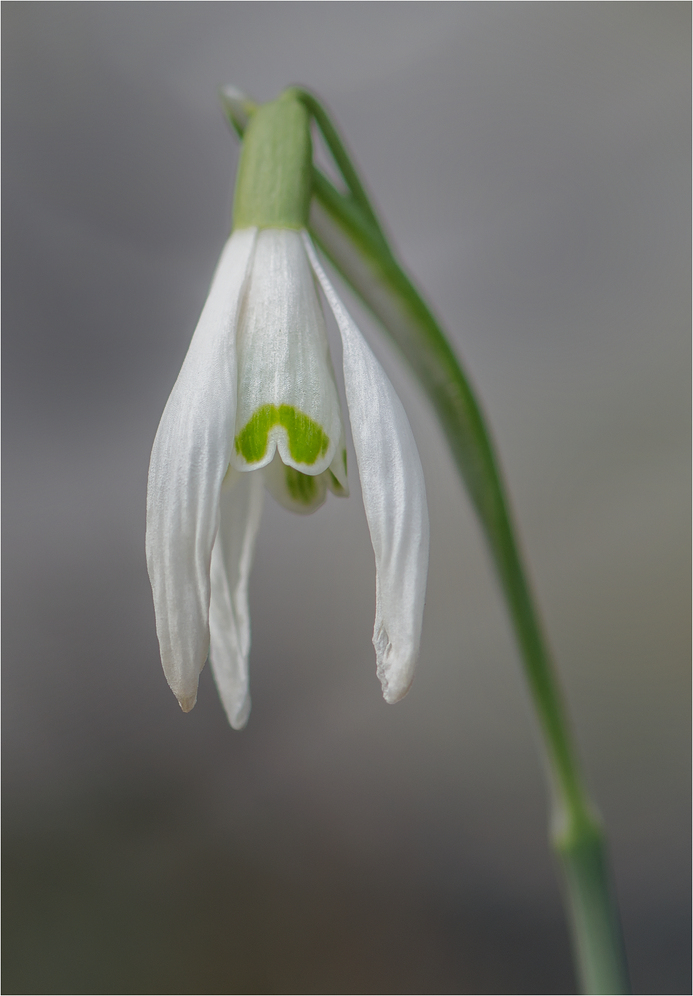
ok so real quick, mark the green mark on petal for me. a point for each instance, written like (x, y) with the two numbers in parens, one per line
(301, 487)
(335, 484)
(307, 440)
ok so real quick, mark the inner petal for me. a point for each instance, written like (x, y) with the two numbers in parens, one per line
(287, 398)
(296, 491)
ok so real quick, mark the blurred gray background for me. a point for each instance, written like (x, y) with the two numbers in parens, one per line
(532, 164)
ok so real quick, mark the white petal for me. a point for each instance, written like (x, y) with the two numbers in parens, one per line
(284, 368)
(394, 498)
(189, 459)
(240, 509)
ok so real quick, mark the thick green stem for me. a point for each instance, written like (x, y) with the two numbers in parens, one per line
(593, 911)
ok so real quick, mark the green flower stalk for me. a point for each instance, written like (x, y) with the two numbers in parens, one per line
(280, 190)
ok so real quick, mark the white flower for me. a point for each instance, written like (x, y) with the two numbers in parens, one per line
(255, 405)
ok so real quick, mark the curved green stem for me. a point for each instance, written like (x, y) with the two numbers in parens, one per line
(350, 235)
(576, 831)
(340, 154)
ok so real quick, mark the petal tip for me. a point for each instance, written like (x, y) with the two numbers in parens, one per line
(187, 702)
(394, 670)
(240, 719)
(393, 691)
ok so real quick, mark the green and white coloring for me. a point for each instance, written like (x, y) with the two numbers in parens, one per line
(256, 407)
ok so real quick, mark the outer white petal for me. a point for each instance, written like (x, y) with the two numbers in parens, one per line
(283, 355)
(394, 498)
(240, 509)
(189, 459)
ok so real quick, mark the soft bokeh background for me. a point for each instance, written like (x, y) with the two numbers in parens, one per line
(532, 164)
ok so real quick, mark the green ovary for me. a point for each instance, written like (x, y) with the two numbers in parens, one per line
(307, 440)
(301, 487)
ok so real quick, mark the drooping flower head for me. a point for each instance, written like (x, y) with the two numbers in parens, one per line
(256, 407)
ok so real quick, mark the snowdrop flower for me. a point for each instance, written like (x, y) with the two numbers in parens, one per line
(255, 407)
